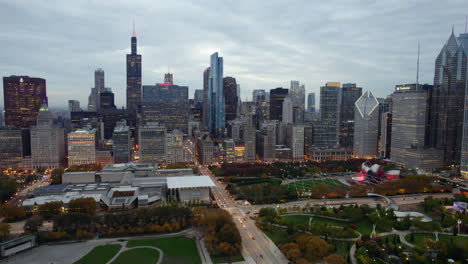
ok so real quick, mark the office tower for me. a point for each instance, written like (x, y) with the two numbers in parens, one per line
(295, 141)
(152, 142)
(166, 104)
(198, 97)
(217, 109)
(229, 147)
(297, 93)
(266, 141)
(206, 99)
(95, 95)
(168, 78)
(410, 128)
(74, 106)
(133, 77)
(276, 103)
(235, 129)
(99, 79)
(329, 113)
(121, 146)
(349, 95)
(11, 147)
(23, 96)
(463, 39)
(288, 113)
(249, 138)
(385, 135)
(47, 141)
(258, 96)
(204, 147)
(82, 147)
(106, 99)
(175, 147)
(230, 97)
(308, 137)
(448, 98)
(298, 115)
(366, 124)
(311, 102)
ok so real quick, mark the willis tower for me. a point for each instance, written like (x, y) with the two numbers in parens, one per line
(133, 78)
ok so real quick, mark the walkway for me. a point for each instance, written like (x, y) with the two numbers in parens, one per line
(125, 248)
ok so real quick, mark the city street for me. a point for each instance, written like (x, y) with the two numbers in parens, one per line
(18, 199)
(256, 247)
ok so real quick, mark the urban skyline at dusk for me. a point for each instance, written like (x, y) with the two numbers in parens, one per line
(264, 47)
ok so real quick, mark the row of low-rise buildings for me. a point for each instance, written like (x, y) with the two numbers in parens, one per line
(126, 185)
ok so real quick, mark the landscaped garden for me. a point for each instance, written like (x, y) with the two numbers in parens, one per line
(363, 226)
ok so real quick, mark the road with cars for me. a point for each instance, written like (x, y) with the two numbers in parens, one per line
(256, 246)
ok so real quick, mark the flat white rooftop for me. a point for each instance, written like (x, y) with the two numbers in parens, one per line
(185, 182)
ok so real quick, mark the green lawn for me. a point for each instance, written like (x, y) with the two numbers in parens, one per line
(306, 184)
(176, 249)
(99, 254)
(276, 235)
(457, 240)
(364, 226)
(217, 260)
(137, 255)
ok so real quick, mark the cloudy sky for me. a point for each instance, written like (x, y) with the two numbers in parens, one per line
(265, 44)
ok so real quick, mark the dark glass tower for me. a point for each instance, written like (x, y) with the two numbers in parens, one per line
(230, 96)
(350, 93)
(276, 103)
(134, 77)
(448, 96)
(23, 96)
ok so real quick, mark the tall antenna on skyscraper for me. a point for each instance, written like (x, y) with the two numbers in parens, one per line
(417, 72)
(466, 23)
(134, 33)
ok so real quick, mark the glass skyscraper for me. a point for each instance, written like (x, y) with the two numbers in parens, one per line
(216, 96)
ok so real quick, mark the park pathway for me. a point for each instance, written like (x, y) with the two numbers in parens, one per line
(125, 248)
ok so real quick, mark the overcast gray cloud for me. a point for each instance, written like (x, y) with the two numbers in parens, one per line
(265, 44)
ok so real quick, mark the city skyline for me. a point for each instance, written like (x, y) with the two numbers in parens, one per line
(262, 50)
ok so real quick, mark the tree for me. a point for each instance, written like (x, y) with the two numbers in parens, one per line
(334, 259)
(291, 250)
(4, 230)
(56, 176)
(82, 205)
(50, 209)
(313, 247)
(12, 212)
(8, 187)
(32, 224)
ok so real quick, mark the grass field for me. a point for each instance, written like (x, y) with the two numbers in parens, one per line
(457, 240)
(364, 226)
(176, 249)
(276, 235)
(137, 255)
(306, 184)
(99, 255)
